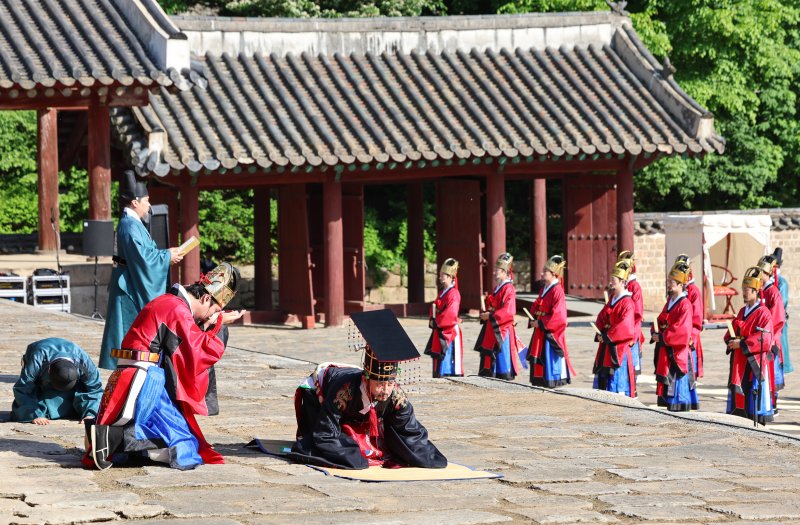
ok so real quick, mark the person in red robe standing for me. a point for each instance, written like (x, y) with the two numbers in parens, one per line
(497, 342)
(161, 380)
(446, 346)
(771, 297)
(673, 357)
(696, 298)
(613, 365)
(750, 348)
(550, 364)
(635, 289)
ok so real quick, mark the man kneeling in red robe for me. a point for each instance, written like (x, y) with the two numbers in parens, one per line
(162, 375)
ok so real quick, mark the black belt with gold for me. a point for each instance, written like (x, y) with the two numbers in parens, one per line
(135, 355)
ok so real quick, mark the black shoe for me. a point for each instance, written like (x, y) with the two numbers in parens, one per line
(100, 446)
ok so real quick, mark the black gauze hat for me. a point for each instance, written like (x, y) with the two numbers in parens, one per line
(778, 254)
(131, 188)
(387, 343)
(63, 374)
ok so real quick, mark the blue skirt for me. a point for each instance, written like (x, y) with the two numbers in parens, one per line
(449, 364)
(683, 399)
(614, 380)
(158, 418)
(636, 353)
(502, 363)
(751, 385)
(788, 368)
(551, 370)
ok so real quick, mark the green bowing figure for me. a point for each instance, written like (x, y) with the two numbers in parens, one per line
(58, 380)
(140, 268)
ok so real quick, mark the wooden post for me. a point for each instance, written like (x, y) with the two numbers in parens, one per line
(190, 265)
(334, 252)
(495, 223)
(99, 163)
(263, 249)
(539, 227)
(47, 161)
(625, 209)
(416, 240)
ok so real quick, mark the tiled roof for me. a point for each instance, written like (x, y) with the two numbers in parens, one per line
(782, 219)
(600, 96)
(62, 46)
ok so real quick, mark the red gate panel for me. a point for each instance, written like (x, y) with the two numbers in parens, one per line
(458, 235)
(353, 238)
(590, 218)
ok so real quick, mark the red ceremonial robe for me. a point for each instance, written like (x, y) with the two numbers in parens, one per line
(502, 307)
(551, 309)
(772, 299)
(673, 353)
(753, 351)
(445, 321)
(638, 309)
(693, 292)
(166, 325)
(616, 322)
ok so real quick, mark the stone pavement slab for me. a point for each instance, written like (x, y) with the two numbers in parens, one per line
(566, 458)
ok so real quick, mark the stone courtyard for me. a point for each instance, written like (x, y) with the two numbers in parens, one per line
(567, 456)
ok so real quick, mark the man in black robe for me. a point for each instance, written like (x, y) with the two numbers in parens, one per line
(353, 418)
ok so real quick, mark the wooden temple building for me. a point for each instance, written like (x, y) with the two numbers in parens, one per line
(310, 111)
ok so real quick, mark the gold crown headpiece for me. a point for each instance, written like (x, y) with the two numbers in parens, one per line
(505, 261)
(767, 264)
(556, 265)
(622, 270)
(450, 267)
(625, 255)
(680, 272)
(221, 283)
(752, 278)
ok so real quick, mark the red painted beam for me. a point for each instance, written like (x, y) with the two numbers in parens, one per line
(99, 163)
(416, 241)
(334, 252)
(495, 222)
(263, 249)
(128, 97)
(190, 266)
(539, 226)
(47, 161)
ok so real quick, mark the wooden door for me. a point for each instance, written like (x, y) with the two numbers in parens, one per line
(353, 239)
(294, 252)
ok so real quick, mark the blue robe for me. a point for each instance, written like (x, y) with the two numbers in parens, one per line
(141, 279)
(783, 287)
(34, 397)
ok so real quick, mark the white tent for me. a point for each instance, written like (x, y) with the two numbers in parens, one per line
(716, 242)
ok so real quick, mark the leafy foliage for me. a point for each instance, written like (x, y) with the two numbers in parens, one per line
(333, 8)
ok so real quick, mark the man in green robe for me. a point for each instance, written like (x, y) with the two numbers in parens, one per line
(140, 270)
(58, 380)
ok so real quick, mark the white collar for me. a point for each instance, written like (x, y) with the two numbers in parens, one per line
(446, 290)
(616, 298)
(547, 288)
(748, 309)
(365, 397)
(691, 281)
(675, 300)
(632, 277)
(183, 293)
(501, 285)
(132, 214)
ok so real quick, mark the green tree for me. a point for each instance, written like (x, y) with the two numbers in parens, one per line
(334, 8)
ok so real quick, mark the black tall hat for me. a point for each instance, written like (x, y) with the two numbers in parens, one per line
(778, 254)
(387, 343)
(131, 188)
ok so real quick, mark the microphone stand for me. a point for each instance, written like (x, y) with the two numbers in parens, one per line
(59, 273)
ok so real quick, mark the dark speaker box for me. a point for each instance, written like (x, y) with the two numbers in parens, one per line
(159, 225)
(98, 238)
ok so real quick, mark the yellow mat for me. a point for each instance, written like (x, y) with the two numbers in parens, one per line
(453, 471)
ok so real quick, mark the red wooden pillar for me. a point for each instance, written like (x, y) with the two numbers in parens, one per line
(334, 252)
(495, 222)
(625, 209)
(99, 163)
(190, 266)
(539, 227)
(263, 249)
(160, 194)
(416, 241)
(47, 160)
